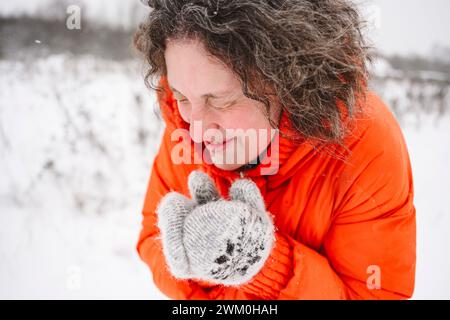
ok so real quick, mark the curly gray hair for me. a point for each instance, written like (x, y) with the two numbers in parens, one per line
(307, 54)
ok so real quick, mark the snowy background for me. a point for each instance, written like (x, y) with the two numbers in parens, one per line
(78, 134)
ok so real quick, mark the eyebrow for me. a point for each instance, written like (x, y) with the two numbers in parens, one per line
(216, 95)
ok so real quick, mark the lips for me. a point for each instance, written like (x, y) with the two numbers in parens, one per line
(217, 146)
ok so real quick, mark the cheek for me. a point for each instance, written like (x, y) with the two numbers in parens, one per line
(185, 111)
(248, 117)
(255, 130)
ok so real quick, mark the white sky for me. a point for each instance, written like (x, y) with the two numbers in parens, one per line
(410, 26)
(405, 26)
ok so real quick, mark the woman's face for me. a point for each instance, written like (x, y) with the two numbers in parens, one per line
(234, 128)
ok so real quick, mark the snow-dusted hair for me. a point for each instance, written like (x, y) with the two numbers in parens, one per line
(304, 55)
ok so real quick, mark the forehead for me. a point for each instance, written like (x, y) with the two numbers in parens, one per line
(192, 70)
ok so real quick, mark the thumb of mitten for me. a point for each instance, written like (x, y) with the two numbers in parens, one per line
(247, 191)
(202, 188)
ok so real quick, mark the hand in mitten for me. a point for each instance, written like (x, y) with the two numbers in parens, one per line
(210, 238)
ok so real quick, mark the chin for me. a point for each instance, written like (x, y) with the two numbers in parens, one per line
(228, 167)
(220, 158)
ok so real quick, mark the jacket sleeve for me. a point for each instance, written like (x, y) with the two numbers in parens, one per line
(372, 236)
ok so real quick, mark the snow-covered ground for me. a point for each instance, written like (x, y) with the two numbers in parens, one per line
(429, 148)
(77, 137)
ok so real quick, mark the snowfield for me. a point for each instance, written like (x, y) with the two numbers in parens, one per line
(429, 148)
(77, 139)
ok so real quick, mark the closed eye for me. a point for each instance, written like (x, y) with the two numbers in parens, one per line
(222, 105)
(211, 105)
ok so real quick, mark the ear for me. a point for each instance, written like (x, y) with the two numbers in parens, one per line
(247, 191)
(202, 188)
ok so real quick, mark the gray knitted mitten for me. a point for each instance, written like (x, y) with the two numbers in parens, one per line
(210, 238)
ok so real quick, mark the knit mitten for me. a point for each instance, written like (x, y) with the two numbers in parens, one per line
(213, 239)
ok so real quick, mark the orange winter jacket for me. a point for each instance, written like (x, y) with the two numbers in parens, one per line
(346, 226)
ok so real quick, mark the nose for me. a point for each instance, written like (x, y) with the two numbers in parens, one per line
(202, 125)
(196, 124)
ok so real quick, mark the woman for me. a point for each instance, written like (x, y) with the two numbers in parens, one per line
(320, 204)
